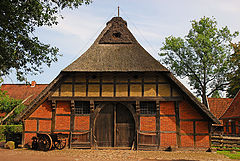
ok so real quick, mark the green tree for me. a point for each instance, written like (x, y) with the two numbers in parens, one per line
(20, 49)
(7, 104)
(202, 56)
(234, 75)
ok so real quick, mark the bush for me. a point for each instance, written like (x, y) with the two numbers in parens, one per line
(9, 130)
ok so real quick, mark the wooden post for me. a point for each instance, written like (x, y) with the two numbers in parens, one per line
(177, 124)
(54, 106)
(72, 119)
(138, 123)
(92, 141)
(23, 133)
(194, 133)
(158, 124)
(115, 125)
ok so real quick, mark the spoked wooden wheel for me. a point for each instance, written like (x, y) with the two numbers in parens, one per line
(61, 142)
(45, 142)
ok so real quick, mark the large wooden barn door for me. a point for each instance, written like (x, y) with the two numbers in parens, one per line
(124, 127)
(104, 127)
(114, 126)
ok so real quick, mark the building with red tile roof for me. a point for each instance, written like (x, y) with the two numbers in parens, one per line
(219, 105)
(231, 117)
(22, 91)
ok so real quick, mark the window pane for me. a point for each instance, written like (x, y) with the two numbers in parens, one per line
(148, 107)
(82, 107)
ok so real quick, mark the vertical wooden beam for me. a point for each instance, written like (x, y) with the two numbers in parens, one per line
(177, 124)
(115, 125)
(73, 85)
(86, 85)
(92, 141)
(114, 85)
(157, 85)
(72, 119)
(100, 88)
(194, 133)
(129, 85)
(158, 124)
(23, 133)
(142, 86)
(54, 106)
(137, 123)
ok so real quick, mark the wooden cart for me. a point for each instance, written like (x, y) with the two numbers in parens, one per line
(47, 142)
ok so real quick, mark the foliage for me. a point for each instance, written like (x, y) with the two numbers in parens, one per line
(234, 75)
(20, 49)
(6, 106)
(202, 56)
(229, 154)
(216, 94)
(9, 129)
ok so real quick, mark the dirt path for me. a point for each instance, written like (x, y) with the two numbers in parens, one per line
(106, 155)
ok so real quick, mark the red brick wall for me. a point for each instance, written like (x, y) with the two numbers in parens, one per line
(82, 123)
(187, 141)
(187, 111)
(43, 111)
(45, 125)
(63, 107)
(148, 123)
(168, 139)
(167, 124)
(202, 141)
(30, 125)
(167, 108)
(186, 127)
(63, 122)
(201, 127)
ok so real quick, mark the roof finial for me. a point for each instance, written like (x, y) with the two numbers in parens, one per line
(118, 11)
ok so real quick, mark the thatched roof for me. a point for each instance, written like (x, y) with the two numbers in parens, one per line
(115, 50)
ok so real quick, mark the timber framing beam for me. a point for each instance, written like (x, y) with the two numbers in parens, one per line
(116, 98)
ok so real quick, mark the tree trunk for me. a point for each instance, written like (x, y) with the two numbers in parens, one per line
(204, 100)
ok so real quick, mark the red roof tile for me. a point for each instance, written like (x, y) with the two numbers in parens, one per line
(22, 91)
(219, 105)
(234, 109)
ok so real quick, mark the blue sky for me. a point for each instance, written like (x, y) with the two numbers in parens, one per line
(150, 22)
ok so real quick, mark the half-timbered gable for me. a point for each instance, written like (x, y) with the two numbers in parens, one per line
(117, 95)
(231, 117)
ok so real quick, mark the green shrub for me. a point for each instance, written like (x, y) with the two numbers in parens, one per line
(8, 130)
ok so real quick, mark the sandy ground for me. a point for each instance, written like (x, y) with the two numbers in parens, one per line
(106, 155)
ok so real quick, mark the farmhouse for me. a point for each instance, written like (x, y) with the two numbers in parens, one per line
(217, 107)
(231, 117)
(116, 95)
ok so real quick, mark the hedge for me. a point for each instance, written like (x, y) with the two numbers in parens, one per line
(9, 129)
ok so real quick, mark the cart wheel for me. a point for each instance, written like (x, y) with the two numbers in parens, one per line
(45, 142)
(60, 144)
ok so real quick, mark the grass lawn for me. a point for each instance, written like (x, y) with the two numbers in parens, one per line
(229, 154)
